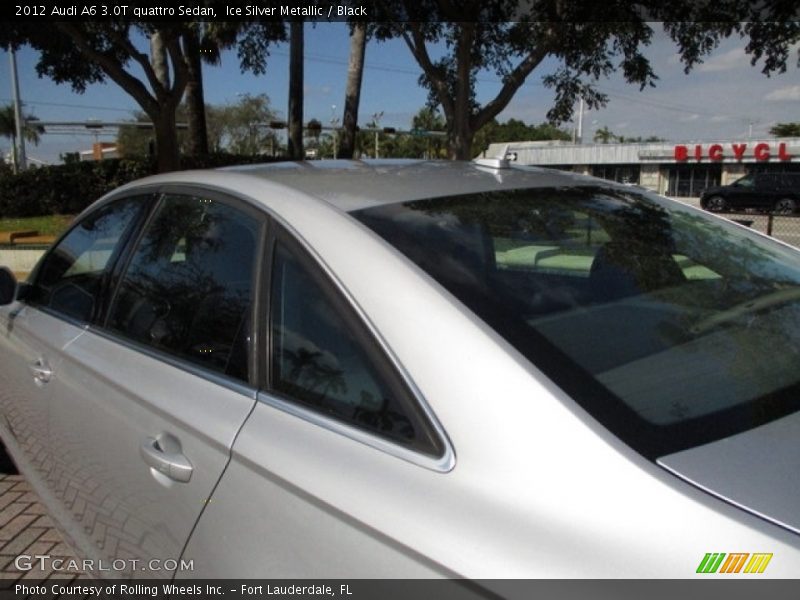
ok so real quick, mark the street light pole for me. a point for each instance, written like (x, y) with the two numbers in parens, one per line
(335, 125)
(376, 118)
(20, 160)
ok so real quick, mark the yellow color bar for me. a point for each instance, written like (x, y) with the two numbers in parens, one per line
(758, 563)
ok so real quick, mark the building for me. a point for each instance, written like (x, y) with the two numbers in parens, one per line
(100, 151)
(673, 169)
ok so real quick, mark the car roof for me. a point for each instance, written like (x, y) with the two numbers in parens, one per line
(355, 184)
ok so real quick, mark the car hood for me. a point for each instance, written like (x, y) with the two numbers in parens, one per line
(758, 470)
(713, 190)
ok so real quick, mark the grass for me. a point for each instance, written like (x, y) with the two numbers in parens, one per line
(48, 225)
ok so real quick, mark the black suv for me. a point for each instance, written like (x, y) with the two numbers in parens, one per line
(775, 192)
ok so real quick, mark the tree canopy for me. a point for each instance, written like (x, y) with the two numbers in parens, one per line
(82, 53)
(579, 42)
(238, 128)
(515, 130)
(589, 40)
(785, 129)
(8, 129)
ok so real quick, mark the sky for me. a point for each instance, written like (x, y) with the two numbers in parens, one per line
(725, 98)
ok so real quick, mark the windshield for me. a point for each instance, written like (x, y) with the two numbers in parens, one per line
(670, 327)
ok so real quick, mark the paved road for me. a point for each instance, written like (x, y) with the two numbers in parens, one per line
(26, 530)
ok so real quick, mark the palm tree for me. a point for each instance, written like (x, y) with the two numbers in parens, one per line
(8, 128)
(604, 135)
(296, 90)
(201, 47)
(355, 71)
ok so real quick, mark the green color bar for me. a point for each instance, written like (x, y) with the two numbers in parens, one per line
(717, 563)
(710, 562)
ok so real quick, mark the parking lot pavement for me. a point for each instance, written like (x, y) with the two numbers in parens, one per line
(26, 530)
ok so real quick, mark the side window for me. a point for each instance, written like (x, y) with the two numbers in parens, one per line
(323, 357)
(188, 288)
(70, 278)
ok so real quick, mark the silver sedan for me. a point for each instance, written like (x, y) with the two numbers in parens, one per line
(408, 369)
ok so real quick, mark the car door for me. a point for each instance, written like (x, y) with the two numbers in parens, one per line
(765, 191)
(51, 313)
(742, 192)
(336, 427)
(152, 395)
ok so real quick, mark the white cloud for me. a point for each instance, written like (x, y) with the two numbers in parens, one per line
(687, 118)
(674, 60)
(732, 59)
(790, 93)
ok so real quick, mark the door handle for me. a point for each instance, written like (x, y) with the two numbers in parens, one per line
(163, 453)
(40, 370)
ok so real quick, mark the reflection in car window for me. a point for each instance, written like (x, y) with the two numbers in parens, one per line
(188, 288)
(69, 280)
(670, 327)
(746, 181)
(320, 360)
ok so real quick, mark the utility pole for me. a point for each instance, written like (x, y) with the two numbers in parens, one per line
(580, 121)
(20, 160)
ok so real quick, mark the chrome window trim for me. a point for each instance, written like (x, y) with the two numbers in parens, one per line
(442, 464)
(80, 324)
(220, 379)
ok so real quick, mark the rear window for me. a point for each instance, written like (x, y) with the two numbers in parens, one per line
(670, 327)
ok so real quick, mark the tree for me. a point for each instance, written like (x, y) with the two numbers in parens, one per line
(138, 139)
(80, 53)
(638, 139)
(199, 49)
(313, 134)
(588, 41)
(8, 129)
(604, 135)
(239, 128)
(251, 39)
(296, 90)
(512, 41)
(430, 120)
(135, 140)
(515, 130)
(785, 130)
(352, 95)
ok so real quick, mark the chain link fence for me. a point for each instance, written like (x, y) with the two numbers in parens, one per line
(780, 226)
